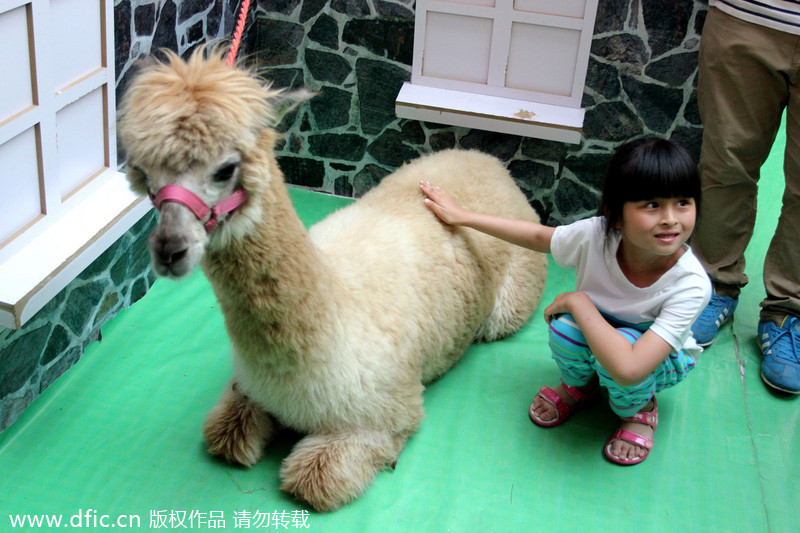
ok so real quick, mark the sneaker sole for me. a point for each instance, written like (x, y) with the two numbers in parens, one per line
(768, 382)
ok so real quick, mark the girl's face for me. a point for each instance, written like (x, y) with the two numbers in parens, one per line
(659, 226)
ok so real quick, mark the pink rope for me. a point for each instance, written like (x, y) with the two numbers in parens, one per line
(237, 34)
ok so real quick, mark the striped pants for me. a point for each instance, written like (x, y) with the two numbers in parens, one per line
(578, 366)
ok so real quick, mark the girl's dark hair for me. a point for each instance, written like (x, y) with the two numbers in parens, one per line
(644, 169)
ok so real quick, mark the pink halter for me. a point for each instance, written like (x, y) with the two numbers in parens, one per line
(185, 197)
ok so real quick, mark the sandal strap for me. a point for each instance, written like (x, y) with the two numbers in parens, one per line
(633, 438)
(577, 394)
(562, 409)
(648, 418)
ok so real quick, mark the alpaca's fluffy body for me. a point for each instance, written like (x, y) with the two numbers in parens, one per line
(334, 330)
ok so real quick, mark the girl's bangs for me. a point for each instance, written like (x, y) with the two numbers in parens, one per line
(660, 177)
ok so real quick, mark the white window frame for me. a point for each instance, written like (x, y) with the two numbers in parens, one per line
(79, 217)
(473, 85)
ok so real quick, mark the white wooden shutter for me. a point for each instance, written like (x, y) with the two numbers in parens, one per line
(498, 60)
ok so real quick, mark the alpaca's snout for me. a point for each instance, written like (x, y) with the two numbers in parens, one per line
(170, 251)
(170, 255)
(175, 253)
(176, 245)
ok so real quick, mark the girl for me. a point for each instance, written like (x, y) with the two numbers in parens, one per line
(626, 327)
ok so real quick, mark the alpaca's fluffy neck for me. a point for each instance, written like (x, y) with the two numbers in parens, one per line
(273, 286)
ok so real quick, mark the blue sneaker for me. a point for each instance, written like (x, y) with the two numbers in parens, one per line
(718, 311)
(780, 345)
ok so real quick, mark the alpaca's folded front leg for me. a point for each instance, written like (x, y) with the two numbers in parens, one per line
(236, 429)
(328, 470)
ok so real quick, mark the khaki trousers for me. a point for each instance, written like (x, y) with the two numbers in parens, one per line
(748, 76)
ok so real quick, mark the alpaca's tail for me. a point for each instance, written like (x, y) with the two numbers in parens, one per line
(517, 297)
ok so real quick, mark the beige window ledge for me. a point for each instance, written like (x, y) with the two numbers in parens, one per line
(33, 275)
(492, 113)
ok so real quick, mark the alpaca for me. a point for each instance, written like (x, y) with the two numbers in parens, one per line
(334, 331)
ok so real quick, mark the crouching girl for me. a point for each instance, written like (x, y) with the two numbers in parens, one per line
(627, 325)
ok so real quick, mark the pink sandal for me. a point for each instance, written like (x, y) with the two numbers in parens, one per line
(648, 418)
(563, 410)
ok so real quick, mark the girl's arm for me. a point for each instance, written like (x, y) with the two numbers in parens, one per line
(520, 232)
(626, 363)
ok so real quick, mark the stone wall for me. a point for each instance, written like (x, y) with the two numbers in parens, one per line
(357, 53)
(32, 357)
(144, 26)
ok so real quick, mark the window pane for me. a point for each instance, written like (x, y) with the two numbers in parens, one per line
(457, 47)
(15, 89)
(76, 38)
(542, 58)
(20, 199)
(81, 141)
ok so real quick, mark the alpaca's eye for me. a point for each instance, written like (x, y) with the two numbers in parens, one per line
(225, 173)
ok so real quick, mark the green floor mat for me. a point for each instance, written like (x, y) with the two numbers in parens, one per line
(116, 440)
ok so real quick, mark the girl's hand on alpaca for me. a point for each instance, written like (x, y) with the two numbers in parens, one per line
(442, 204)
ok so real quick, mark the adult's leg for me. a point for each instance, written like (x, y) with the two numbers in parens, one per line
(741, 95)
(781, 272)
(779, 328)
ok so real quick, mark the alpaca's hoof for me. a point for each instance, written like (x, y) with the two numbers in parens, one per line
(237, 430)
(329, 471)
(312, 479)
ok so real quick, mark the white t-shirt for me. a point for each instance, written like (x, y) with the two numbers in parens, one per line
(668, 307)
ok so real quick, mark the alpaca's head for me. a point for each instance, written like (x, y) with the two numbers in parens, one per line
(205, 127)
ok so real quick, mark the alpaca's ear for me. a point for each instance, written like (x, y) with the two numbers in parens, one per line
(286, 101)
